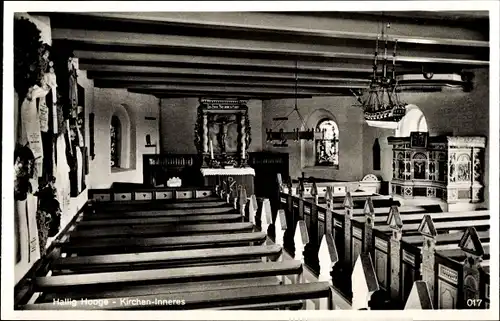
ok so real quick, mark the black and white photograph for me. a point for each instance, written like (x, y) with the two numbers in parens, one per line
(254, 160)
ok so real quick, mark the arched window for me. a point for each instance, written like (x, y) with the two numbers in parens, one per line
(327, 144)
(116, 133)
(413, 121)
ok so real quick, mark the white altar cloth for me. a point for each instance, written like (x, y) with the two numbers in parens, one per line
(228, 171)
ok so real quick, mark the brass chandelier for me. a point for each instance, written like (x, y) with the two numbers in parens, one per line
(382, 107)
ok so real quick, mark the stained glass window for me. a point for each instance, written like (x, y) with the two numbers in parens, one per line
(115, 141)
(327, 147)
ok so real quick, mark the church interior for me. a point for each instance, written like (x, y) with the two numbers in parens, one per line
(252, 160)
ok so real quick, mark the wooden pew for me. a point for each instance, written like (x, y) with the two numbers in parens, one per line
(444, 239)
(396, 243)
(162, 220)
(317, 222)
(411, 220)
(113, 280)
(289, 305)
(383, 241)
(327, 257)
(143, 274)
(450, 276)
(336, 220)
(358, 201)
(105, 239)
(142, 290)
(380, 225)
(479, 221)
(369, 185)
(209, 299)
(151, 244)
(171, 288)
(160, 213)
(163, 258)
(116, 206)
(151, 231)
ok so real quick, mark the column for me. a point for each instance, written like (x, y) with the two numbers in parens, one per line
(243, 139)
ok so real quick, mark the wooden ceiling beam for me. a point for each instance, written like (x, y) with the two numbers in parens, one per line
(234, 89)
(198, 94)
(261, 46)
(121, 82)
(96, 71)
(104, 57)
(333, 25)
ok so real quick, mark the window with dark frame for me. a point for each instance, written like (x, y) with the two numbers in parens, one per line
(376, 155)
(115, 132)
(327, 147)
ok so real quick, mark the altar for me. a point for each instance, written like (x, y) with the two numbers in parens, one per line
(237, 176)
(222, 140)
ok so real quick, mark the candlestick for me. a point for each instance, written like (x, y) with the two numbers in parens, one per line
(211, 149)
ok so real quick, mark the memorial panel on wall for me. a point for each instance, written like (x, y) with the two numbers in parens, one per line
(77, 156)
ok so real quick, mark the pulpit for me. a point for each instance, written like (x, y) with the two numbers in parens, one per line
(446, 168)
(222, 138)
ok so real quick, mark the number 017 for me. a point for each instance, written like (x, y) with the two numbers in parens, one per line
(474, 303)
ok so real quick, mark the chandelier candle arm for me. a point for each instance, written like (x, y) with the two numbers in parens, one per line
(385, 59)
(394, 61)
(281, 137)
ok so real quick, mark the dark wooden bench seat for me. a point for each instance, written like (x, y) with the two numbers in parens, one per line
(156, 265)
(151, 289)
(84, 262)
(162, 230)
(359, 201)
(359, 204)
(288, 305)
(412, 217)
(358, 195)
(451, 238)
(210, 299)
(194, 219)
(338, 200)
(157, 205)
(158, 213)
(382, 211)
(137, 244)
(450, 225)
(459, 255)
(114, 280)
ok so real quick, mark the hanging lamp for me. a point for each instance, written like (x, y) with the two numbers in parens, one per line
(280, 137)
(382, 107)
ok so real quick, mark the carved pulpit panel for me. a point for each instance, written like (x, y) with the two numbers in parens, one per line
(222, 132)
(446, 168)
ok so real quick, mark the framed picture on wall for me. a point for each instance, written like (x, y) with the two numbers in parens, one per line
(418, 139)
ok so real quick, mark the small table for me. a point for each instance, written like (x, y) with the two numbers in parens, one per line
(242, 176)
